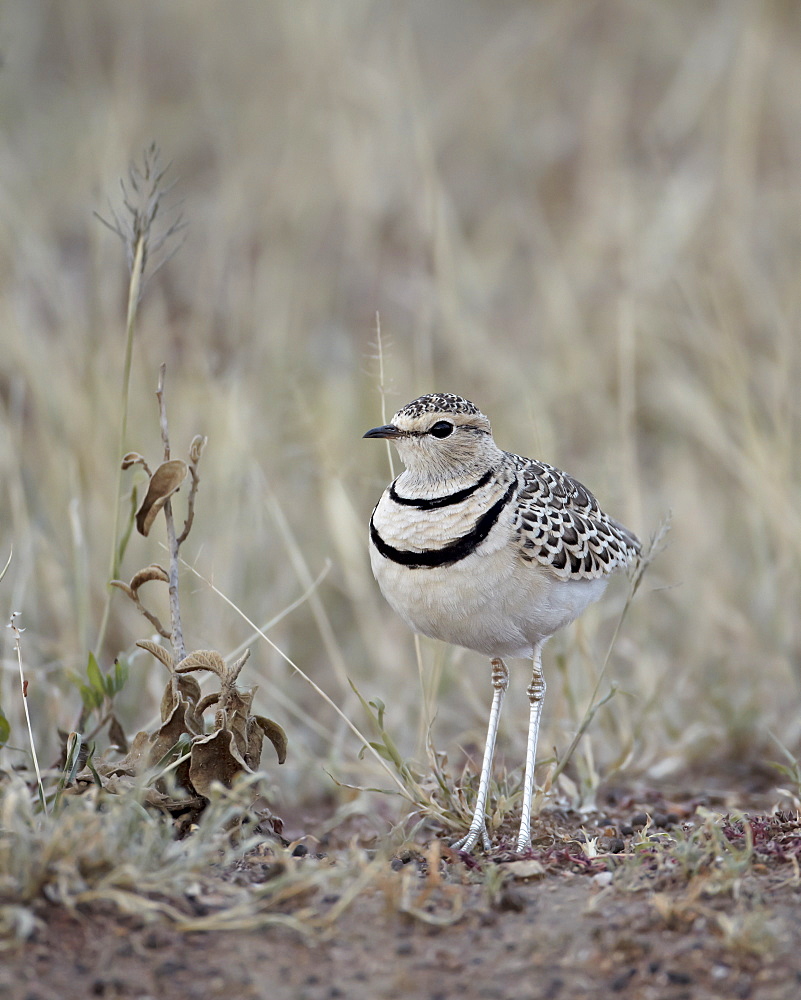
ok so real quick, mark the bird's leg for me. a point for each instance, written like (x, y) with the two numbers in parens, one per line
(536, 694)
(478, 825)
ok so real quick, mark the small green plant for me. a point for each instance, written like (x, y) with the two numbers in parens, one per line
(433, 794)
(710, 854)
(98, 692)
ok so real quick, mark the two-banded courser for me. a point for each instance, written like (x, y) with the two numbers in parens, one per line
(488, 550)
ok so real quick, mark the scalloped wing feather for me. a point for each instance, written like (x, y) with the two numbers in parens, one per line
(560, 525)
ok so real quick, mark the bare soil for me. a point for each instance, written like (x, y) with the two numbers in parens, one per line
(620, 924)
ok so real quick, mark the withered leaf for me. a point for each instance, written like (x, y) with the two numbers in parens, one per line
(170, 804)
(116, 735)
(238, 703)
(133, 458)
(236, 668)
(196, 448)
(203, 659)
(275, 734)
(257, 728)
(255, 736)
(168, 701)
(215, 758)
(168, 734)
(151, 572)
(205, 703)
(182, 774)
(158, 651)
(163, 483)
(119, 784)
(132, 763)
(188, 689)
(234, 712)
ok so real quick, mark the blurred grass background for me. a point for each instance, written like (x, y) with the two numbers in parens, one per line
(585, 217)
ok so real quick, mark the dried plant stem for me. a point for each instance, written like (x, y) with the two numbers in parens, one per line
(154, 620)
(134, 288)
(382, 388)
(4, 570)
(427, 713)
(24, 688)
(173, 543)
(321, 617)
(190, 503)
(313, 586)
(133, 302)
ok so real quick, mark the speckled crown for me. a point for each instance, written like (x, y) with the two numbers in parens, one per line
(438, 402)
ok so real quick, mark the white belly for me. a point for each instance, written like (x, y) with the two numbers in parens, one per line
(492, 601)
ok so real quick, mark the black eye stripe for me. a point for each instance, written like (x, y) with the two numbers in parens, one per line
(468, 428)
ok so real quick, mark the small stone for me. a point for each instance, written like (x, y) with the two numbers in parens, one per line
(678, 977)
(525, 868)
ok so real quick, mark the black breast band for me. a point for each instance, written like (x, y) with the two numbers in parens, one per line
(452, 553)
(446, 501)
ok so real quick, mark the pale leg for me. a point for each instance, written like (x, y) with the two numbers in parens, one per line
(536, 694)
(478, 827)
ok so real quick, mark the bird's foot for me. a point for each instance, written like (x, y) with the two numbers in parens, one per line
(470, 839)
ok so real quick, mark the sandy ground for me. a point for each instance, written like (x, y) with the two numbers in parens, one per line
(570, 932)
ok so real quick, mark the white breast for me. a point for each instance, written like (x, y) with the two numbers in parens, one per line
(491, 601)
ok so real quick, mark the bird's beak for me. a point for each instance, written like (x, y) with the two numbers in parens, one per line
(387, 431)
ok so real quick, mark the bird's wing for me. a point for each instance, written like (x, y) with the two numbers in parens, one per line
(560, 525)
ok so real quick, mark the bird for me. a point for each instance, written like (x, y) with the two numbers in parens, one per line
(491, 551)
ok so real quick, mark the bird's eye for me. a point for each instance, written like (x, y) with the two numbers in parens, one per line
(441, 429)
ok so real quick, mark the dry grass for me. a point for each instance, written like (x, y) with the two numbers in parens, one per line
(113, 853)
(583, 217)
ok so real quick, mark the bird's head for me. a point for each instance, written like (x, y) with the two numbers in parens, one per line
(440, 435)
